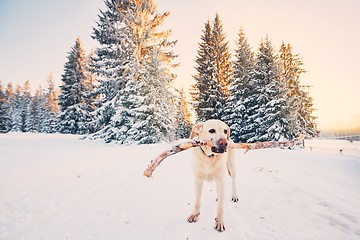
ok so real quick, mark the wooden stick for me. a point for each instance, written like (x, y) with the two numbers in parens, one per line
(175, 149)
(197, 143)
(272, 144)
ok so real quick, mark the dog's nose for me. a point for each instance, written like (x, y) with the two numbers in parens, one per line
(222, 143)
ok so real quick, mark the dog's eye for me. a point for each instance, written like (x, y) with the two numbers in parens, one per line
(212, 131)
(225, 131)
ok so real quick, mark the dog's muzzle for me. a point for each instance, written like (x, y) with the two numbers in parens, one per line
(221, 146)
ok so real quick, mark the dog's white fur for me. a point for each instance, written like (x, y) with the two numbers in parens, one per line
(211, 164)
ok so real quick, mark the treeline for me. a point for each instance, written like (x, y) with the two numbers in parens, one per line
(20, 111)
(259, 94)
(352, 134)
(123, 92)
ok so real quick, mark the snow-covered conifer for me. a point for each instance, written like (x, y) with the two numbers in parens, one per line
(28, 116)
(112, 62)
(203, 78)
(10, 96)
(133, 51)
(306, 118)
(241, 90)
(5, 119)
(17, 114)
(40, 101)
(301, 108)
(75, 117)
(270, 118)
(154, 118)
(50, 117)
(214, 73)
(37, 110)
(183, 117)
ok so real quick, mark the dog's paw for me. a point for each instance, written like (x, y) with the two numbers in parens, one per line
(193, 218)
(219, 225)
(235, 199)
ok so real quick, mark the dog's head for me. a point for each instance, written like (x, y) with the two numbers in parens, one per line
(214, 130)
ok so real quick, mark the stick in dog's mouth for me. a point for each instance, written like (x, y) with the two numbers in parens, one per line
(218, 150)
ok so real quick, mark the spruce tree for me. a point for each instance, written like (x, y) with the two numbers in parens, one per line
(5, 119)
(28, 115)
(291, 71)
(269, 120)
(90, 98)
(301, 107)
(241, 89)
(17, 113)
(306, 118)
(203, 79)
(154, 118)
(37, 109)
(75, 115)
(10, 97)
(214, 73)
(133, 51)
(52, 110)
(183, 117)
(112, 62)
(224, 68)
(40, 102)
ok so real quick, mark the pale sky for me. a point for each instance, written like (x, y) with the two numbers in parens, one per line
(35, 36)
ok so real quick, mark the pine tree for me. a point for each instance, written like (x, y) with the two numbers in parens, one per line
(154, 117)
(270, 120)
(40, 101)
(52, 110)
(37, 110)
(27, 115)
(10, 97)
(291, 71)
(31, 114)
(214, 73)
(238, 106)
(183, 117)
(132, 46)
(306, 118)
(203, 79)
(224, 68)
(90, 98)
(301, 118)
(112, 61)
(23, 98)
(275, 121)
(5, 119)
(73, 77)
(75, 116)
(17, 113)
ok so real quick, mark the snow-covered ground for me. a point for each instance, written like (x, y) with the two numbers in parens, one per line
(59, 187)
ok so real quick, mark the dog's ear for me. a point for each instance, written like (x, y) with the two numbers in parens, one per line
(196, 130)
(228, 134)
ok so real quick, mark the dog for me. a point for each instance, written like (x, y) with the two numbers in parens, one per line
(210, 163)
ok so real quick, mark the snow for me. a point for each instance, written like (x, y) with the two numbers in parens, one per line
(55, 186)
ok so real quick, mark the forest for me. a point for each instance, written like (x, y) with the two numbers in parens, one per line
(123, 90)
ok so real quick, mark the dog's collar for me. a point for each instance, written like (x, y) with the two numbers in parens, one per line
(210, 156)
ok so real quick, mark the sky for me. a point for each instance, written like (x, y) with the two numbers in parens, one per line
(36, 35)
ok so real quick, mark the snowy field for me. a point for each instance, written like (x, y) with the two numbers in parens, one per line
(59, 187)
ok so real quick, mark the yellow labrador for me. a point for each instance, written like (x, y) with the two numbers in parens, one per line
(211, 163)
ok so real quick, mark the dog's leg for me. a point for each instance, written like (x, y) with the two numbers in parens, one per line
(219, 220)
(232, 172)
(198, 189)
